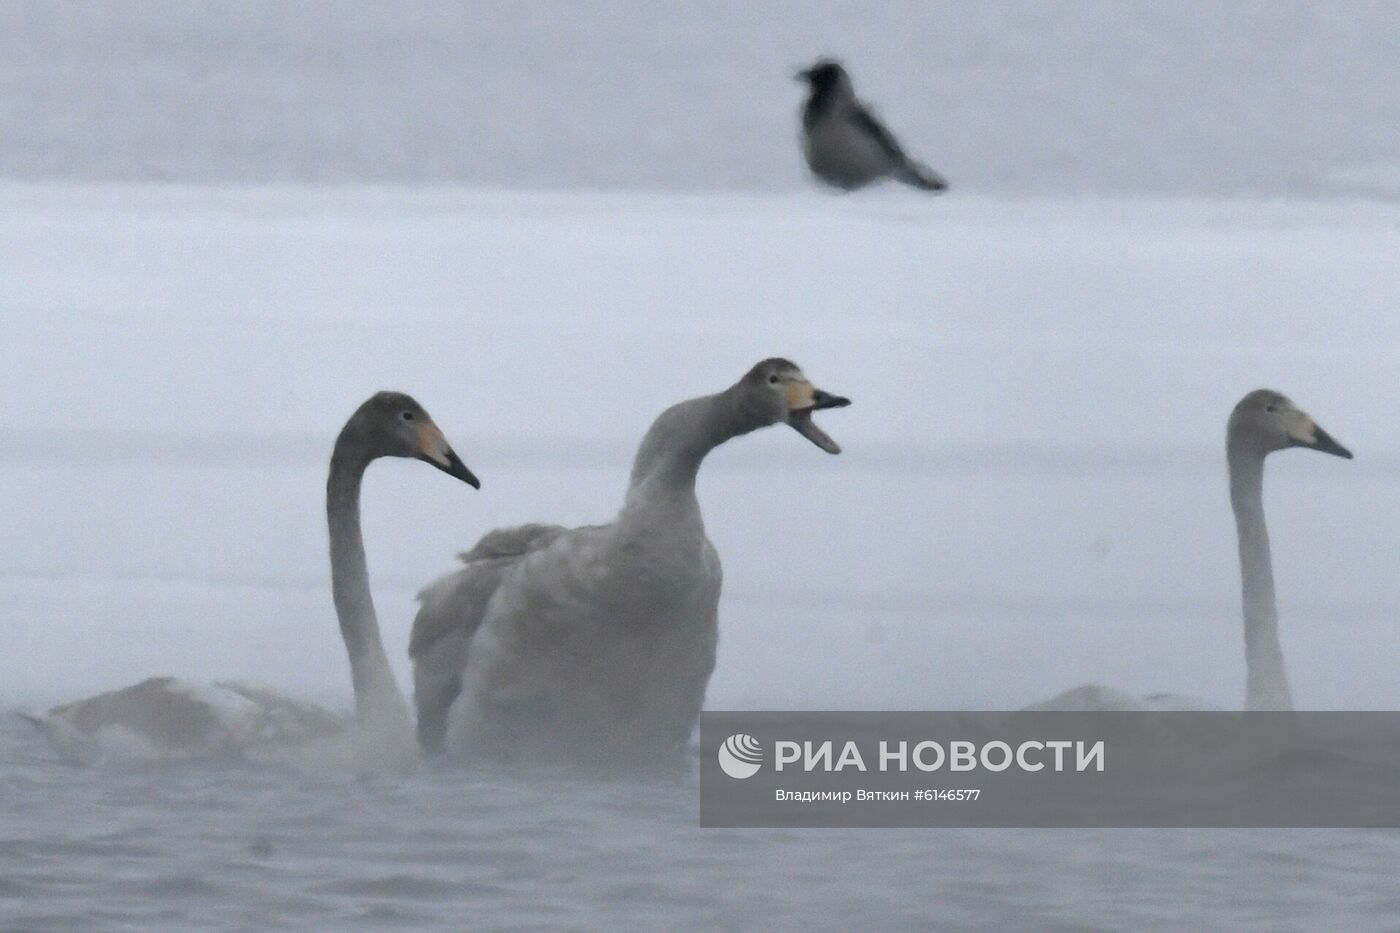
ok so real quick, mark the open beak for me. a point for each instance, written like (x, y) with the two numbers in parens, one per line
(1325, 443)
(434, 449)
(803, 399)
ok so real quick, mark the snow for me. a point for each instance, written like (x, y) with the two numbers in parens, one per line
(1032, 492)
(1271, 97)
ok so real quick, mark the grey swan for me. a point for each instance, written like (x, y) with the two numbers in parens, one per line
(593, 646)
(168, 719)
(1262, 422)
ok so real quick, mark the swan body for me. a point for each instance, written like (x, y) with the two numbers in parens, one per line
(1264, 421)
(594, 645)
(166, 719)
(1101, 698)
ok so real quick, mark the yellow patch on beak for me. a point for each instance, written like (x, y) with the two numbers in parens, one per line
(432, 445)
(800, 395)
(1305, 432)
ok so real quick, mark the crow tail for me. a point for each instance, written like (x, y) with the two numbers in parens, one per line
(922, 177)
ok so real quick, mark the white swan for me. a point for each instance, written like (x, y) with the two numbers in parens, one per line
(1264, 421)
(167, 719)
(594, 645)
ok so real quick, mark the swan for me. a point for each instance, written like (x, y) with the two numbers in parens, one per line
(1262, 422)
(593, 646)
(169, 719)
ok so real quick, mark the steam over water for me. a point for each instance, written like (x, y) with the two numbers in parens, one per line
(1032, 495)
(247, 849)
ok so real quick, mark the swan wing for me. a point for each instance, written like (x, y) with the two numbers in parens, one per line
(599, 643)
(456, 603)
(450, 613)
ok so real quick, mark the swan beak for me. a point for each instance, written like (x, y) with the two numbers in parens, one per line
(804, 74)
(455, 467)
(1324, 442)
(803, 399)
(434, 449)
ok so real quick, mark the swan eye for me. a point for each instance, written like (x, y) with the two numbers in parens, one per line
(773, 379)
(407, 416)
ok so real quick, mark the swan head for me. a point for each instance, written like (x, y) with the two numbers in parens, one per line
(1265, 421)
(779, 393)
(392, 424)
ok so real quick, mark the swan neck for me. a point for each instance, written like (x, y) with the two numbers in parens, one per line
(1266, 679)
(376, 690)
(679, 440)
